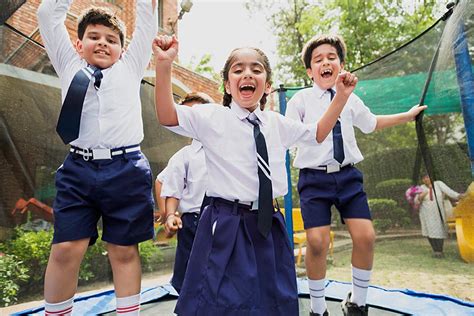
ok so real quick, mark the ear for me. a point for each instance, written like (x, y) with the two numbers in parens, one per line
(227, 87)
(309, 72)
(268, 88)
(79, 47)
(342, 66)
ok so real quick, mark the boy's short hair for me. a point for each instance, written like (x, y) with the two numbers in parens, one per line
(197, 97)
(334, 40)
(101, 16)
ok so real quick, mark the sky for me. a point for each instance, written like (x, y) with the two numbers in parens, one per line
(219, 26)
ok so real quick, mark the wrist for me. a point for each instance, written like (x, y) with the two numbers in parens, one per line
(174, 214)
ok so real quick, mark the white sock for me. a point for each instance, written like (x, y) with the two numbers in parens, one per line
(360, 285)
(59, 309)
(129, 305)
(316, 292)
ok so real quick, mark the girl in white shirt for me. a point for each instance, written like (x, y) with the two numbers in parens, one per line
(236, 267)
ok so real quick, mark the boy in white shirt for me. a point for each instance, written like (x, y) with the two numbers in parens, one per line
(183, 185)
(328, 176)
(105, 174)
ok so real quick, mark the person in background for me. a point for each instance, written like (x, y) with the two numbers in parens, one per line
(433, 224)
(181, 187)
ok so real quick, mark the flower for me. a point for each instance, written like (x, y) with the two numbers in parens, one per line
(410, 195)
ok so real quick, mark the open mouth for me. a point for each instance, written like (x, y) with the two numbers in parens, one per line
(326, 73)
(247, 90)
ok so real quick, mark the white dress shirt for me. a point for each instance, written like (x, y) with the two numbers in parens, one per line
(112, 116)
(229, 146)
(185, 178)
(308, 106)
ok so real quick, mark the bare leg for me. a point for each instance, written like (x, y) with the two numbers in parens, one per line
(62, 272)
(125, 262)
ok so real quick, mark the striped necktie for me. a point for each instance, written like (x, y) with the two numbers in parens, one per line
(70, 117)
(337, 142)
(265, 195)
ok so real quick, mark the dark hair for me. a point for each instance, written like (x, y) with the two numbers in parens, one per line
(101, 16)
(197, 97)
(334, 40)
(225, 74)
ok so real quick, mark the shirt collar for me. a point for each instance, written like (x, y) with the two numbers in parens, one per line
(321, 92)
(242, 113)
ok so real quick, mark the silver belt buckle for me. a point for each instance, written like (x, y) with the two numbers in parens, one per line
(101, 153)
(333, 168)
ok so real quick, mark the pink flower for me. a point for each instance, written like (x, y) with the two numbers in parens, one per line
(411, 194)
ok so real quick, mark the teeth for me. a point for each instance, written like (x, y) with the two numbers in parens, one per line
(247, 86)
(327, 71)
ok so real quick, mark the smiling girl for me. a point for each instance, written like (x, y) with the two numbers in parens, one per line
(241, 262)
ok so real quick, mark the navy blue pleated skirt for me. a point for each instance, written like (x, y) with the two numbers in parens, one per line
(234, 271)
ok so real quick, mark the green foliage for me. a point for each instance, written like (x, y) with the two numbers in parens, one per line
(150, 256)
(371, 28)
(386, 214)
(382, 224)
(394, 189)
(31, 249)
(12, 274)
(204, 68)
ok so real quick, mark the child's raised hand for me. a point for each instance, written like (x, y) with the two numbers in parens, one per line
(345, 83)
(414, 111)
(165, 48)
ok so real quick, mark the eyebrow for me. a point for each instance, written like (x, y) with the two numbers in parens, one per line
(319, 55)
(108, 35)
(253, 64)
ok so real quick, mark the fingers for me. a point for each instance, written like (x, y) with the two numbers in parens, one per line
(348, 78)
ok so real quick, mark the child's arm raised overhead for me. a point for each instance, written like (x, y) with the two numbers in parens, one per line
(51, 16)
(345, 84)
(384, 121)
(165, 49)
(139, 50)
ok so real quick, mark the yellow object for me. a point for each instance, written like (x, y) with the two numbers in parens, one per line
(464, 215)
(299, 235)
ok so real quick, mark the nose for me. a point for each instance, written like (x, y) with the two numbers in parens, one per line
(102, 41)
(248, 73)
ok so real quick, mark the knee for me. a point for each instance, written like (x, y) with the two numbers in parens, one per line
(66, 253)
(364, 240)
(123, 254)
(318, 244)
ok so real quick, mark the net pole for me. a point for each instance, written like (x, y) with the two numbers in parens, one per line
(289, 195)
(466, 87)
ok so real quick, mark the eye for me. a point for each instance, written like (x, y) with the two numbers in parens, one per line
(112, 41)
(237, 71)
(257, 71)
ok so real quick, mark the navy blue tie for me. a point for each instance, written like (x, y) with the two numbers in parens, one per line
(265, 195)
(70, 117)
(338, 144)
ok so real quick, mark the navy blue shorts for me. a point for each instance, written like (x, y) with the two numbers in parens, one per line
(234, 271)
(119, 190)
(320, 190)
(183, 249)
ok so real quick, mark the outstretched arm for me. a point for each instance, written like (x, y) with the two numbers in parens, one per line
(165, 49)
(384, 121)
(345, 84)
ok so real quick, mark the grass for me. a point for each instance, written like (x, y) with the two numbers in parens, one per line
(408, 263)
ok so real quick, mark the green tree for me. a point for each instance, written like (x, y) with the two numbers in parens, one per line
(204, 68)
(370, 28)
